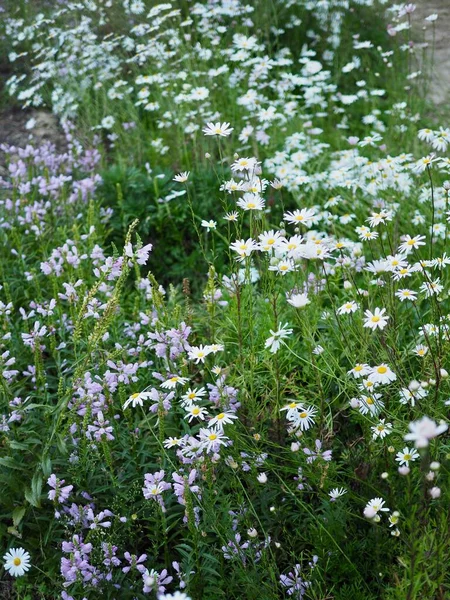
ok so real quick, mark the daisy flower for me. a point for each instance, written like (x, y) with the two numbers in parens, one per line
(171, 442)
(292, 409)
(195, 412)
(305, 418)
(336, 493)
(244, 164)
(172, 382)
(382, 374)
(298, 300)
(420, 350)
(270, 240)
(219, 129)
(231, 216)
(430, 288)
(251, 202)
(208, 224)
(381, 430)
(406, 294)
(373, 507)
(381, 217)
(191, 395)
(360, 370)
(212, 439)
(406, 455)
(409, 244)
(274, 341)
(305, 216)
(137, 399)
(376, 320)
(424, 163)
(244, 248)
(347, 308)
(17, 562)
(283, 267)
(222, 419)
(182, 177)
(370, 404)
(198, 353)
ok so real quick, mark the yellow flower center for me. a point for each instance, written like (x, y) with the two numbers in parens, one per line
(358, 368)
(293, 405)
(17, 561)
(134, 396)
(221, 416)
(375, 319)
(303, 415)
(370, 401)
(382, 370)
(212, 437)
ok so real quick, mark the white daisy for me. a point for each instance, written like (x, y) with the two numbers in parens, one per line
(17, 561)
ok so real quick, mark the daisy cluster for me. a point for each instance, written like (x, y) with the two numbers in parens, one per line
(165, 69)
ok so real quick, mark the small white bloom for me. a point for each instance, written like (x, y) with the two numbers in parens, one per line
(17, 562)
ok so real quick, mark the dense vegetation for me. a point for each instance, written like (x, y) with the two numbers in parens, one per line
(224, 304)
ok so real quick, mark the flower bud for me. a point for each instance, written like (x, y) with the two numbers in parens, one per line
(435, 492)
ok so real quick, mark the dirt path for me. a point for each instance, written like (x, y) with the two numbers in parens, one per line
(440, 83)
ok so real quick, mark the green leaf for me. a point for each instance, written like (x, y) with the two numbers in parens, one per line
(18, 514)
(9, 462)
(29, 497)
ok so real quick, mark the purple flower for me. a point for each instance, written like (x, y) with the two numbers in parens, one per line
(234, 549)
(313, 454)
(294, 584)
(181, 482)
(134, 562)
(154, 486)
(60, 492)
